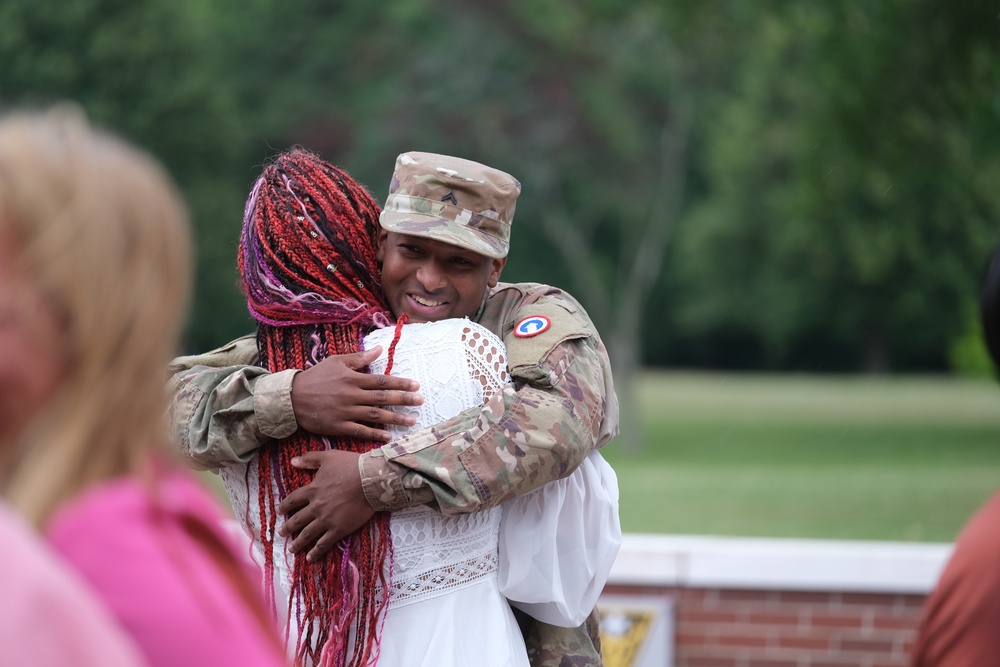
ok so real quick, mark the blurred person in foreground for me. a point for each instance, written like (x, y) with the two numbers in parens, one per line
(961, 620)
(49, 617)
(440, 252)
(95, 264)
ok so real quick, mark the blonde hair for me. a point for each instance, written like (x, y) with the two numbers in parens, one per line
(104, 234)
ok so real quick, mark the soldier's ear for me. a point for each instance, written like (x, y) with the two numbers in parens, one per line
(495, 270)
(380, 243)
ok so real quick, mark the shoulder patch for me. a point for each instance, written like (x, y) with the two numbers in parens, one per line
(535, 331)
(532, 326)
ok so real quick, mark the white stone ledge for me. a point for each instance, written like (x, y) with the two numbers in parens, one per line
(778, 564)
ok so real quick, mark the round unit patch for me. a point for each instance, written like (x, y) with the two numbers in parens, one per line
(532, 326)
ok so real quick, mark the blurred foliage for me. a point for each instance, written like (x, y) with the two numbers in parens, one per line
(147, 71)
(852, 204)
(743, 183)
(968, 354)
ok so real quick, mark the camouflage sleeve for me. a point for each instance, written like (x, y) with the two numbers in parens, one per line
(553, 646)
(224, 406)
(538, 429)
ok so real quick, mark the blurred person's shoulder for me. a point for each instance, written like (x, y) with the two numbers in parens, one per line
(48, 615)
(962, 613)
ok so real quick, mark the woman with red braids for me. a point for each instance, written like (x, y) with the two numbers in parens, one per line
(310, 272)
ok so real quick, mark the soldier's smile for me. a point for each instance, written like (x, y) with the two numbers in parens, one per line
(426, 302)
(423, 309)
(430, 280)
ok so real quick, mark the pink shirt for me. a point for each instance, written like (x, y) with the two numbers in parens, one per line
(137, 550)
(48, 616)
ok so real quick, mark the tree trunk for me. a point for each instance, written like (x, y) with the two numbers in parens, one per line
(877, 352)
(624, 348)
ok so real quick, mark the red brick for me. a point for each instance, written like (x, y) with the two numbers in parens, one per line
(762, 617)
(870, 645)
(682, 621)
(771, 662)
(683, 638)
(828, 620)
(806, 597)
(908, 622)
(710, 616)
(810, 642)
(735, 595)
(742, 640)
(694, 594)
(706, 661)
(655, 591)
(685, 625)
(904, 602)
(871, 599)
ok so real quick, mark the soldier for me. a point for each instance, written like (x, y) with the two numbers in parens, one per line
(560, 406)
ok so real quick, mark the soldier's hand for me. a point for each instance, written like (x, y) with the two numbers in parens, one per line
(327, 509)
(336, 397)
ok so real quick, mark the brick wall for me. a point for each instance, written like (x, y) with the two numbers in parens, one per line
(749, 602)
(760, 628)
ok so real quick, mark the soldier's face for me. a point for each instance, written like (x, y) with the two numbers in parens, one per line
(430, 280)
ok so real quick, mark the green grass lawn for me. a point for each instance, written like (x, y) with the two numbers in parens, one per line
(803, 456)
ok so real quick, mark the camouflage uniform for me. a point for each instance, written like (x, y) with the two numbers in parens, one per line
(560, 406)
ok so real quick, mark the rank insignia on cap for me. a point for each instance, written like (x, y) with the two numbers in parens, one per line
(532, 326)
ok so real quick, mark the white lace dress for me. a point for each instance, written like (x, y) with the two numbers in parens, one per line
(445, 607)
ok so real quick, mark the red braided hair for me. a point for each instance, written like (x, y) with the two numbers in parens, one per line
(308, 269)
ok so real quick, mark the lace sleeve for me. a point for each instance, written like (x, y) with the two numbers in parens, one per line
(486, 356)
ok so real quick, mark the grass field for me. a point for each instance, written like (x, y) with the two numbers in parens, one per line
(803, 456)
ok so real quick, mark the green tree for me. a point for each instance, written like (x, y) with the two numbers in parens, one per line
(145, 70)
(828, 168)
(852, 174)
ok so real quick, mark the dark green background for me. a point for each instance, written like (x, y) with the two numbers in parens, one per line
(731, 184)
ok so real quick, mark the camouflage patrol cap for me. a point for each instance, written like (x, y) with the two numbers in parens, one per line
(449, 199)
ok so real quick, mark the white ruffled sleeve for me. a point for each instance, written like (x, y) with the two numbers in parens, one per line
(558, 543)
